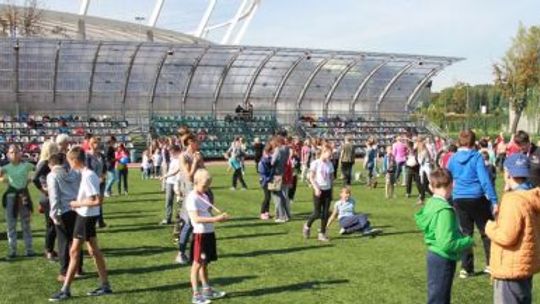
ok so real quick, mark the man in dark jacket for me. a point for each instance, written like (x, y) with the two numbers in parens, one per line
(521, 138)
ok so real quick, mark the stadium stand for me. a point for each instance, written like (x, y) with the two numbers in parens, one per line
(216, 134)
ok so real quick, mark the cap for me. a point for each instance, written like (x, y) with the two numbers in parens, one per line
(517, 165)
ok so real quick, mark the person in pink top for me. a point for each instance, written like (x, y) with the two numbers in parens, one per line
(400, 151)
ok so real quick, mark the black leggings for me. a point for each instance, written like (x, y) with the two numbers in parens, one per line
(237, 175)
(50, 232)
(321, 207)
(265, 206)
(413, 174)
(65, 239)
(122, 177)
(292, 189)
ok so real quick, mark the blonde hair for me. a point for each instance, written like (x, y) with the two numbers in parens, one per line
(202, 176)
(62, 138)
(49, 148)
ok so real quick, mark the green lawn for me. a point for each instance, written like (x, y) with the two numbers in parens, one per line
(260, 262)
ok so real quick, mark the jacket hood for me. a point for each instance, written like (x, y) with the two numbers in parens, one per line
(425, 215)
(463, 156)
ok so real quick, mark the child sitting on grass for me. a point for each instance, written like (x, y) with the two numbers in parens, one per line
(437, 220)
(349, 221)
(203, 246)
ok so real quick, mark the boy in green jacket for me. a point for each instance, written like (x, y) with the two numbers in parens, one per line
(437, 220)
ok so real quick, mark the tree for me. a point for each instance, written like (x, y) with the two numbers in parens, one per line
(517, 75)
(22, 20)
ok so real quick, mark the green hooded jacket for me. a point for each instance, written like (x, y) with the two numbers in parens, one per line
(441, 232)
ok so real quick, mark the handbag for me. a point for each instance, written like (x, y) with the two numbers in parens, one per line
(276, 183)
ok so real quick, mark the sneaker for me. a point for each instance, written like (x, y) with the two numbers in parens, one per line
(212, 294)
(30, 254)
(342, 231)
(79, 275)
(181, 259)
(165, 222)
(244, 189)
(306, 231)
(463, 274)
(487, 270)
(51, 256)
(279, 221)
(233, 189)
(100, 291)
(323, 238)
(265, 216)
(60, 296)
(199, 299)
(373, 232)
(102, 224)
(11, 256)
(107, 194)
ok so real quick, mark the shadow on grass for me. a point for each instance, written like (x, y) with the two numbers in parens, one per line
(129, 216)
(126, 212)
(148, 193)
(223, 281)
(134, 201)
(272, 251)
(249, 236)
(399, 233)
(143, 270)
(286, 288)
(247, 225)
(138, 228)
(136, 251)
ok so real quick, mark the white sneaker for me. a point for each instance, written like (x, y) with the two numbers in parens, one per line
(487, 270)
(342, 231)
(181, 259)
(323, 238)
(463, 274)
(107, 194)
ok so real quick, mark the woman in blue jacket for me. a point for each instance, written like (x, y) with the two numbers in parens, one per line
(474, 197)
(266, 174)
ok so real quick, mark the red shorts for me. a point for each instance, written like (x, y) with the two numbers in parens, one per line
(203, 248)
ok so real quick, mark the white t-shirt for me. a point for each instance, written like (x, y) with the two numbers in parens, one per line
(174, 166)
(89, 187)
(201, 204)
(323, 173)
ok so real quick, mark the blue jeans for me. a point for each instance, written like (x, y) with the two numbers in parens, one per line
(440, 274)
(111, 178)
(185, 233)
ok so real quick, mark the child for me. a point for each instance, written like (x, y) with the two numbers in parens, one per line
(389, 167)
(492, 170)
(62, 188)
(370, 162)
(87, 208)
(349, 221)
(236, 164)
(515, 235)
(438, 221)
(16, 200)
(321, 178)
(146, 165)
(203, 247)
(156, 160)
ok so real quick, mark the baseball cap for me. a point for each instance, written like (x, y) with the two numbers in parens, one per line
(517, 165)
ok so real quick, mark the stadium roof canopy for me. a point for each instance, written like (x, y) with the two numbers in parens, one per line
(141, 78)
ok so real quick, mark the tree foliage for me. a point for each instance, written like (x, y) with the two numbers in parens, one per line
(518, 73)
(20, 20)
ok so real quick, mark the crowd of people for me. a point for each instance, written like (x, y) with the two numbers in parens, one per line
(458, 177)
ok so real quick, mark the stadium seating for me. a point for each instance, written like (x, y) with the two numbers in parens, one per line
(216, 135)
(30, 131)
(384, 131)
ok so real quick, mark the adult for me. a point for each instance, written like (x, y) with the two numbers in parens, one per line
(425, 160)
(412, 167)
(258, 148)
(40, 181)
(266, 174)
(474, 197)
(279, 161)
(62, 141)
(400, 151)
(533, 153)
(121, 157)
(346, 159)
(111, 162)
(95, 161)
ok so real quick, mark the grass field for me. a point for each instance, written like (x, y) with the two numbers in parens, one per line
(260, 262)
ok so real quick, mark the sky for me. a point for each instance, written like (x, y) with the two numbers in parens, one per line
(478, 30)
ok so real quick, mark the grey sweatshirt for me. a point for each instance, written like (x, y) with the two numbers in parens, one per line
(63, 187)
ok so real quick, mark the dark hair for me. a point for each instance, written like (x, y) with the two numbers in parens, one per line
(467, 138)
(440, 178)
(77, 154)
(87, 136)
(452, 148)
(175, 149)
(483, 143)
(521, 138)
(56, 159)
(188, 139)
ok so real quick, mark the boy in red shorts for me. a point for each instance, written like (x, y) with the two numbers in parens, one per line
(203, 248)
